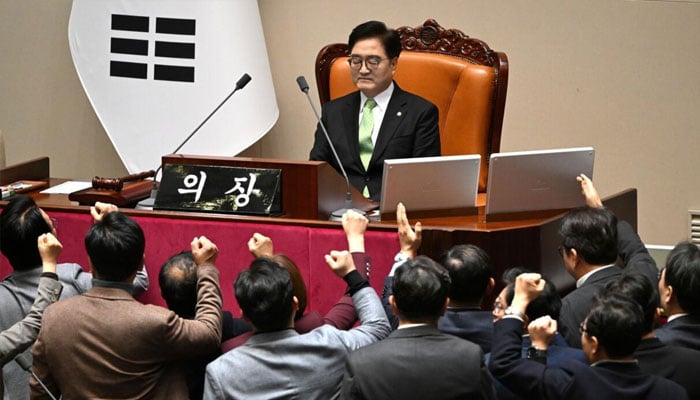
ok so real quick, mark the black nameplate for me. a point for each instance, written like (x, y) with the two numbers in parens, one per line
(233, 190)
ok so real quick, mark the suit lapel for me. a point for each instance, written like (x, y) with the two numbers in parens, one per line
(351, 117)
(395, 112)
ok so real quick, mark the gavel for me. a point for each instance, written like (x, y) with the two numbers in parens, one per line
(117, 184)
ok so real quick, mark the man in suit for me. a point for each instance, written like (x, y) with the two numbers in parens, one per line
(679, 287)
(417, 361)
(591, 240)
(22, 222)
(105, 344)
(676, 363)
(277, 362)
(609, 334)
(394, 124)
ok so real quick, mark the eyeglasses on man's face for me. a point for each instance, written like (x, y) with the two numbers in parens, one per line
(372, 62)
(582, 327)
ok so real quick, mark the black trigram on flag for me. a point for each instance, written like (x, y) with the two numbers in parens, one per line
(163, 48)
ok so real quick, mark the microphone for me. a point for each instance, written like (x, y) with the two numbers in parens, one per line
(27, 366)
(147, 204)
(336, 215)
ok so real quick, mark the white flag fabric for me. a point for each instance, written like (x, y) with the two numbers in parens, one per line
(154, 69)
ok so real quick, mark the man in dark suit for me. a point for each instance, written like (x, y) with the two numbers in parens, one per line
(394, 124)
(676, 363)
(679, 287)
(105, 344)
(417, 361)
(609, 334)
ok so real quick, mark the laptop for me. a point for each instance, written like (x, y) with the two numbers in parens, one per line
(537, 180)
(430, 186)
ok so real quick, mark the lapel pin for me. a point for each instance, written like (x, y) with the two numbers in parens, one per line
(398, 114)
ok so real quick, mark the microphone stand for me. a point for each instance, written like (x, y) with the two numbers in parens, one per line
(147, 204)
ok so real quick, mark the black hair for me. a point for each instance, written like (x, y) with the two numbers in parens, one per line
(638, 288)
(21, 224)
(618, 323)
(470, 270)
(374, 29)
(683, 274)
(592, 232)
(178, 284)
(115, 246)
(265, 293)
(420, 288)
(547, 303)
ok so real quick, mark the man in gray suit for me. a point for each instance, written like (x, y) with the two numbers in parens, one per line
(277, 362)
(417, 361)
(22, 222)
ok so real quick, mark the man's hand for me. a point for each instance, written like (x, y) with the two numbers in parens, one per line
(260, 246)
(49, 250)
(340, 262)
(542, 331)
(204, 251)
(355, 225)
(527, 287)
(99, 210)
(589, 192)
(409, 239)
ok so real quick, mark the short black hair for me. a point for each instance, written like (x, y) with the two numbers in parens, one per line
(420, 288)
(265, 293)
(21, 224)
(115, 246)
(683, 274)
(178, 284)
(547, 303)
(639, 289)
(592, 232)
(374, 29)
(618, 323)
(470, 269)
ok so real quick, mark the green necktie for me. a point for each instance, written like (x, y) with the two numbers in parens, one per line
(366, 145)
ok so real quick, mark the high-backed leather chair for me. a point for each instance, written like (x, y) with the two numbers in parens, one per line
(462, 76)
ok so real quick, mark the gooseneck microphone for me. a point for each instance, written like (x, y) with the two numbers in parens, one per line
(147, 204)
(27, 366)
(336, 215)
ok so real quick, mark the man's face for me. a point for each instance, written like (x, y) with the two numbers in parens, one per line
(499, 305)
(372, 81)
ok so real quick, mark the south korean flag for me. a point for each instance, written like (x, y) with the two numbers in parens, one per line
(154, 69)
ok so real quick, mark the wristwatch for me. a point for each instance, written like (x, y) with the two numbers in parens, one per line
(515, 312)
(533, 353)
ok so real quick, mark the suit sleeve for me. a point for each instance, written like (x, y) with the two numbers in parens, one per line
(633, 253)
(427, 134)
(321, 151)
(374, 325)
(343, 315)
(22, 334)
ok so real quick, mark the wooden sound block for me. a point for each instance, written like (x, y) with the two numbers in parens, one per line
(131, 193)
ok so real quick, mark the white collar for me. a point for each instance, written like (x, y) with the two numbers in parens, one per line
(382, 98)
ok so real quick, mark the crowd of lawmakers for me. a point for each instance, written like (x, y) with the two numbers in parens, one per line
(82, 335)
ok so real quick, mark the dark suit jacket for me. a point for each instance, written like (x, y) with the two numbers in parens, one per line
(574, 380)
(409, 129)
(417, 363)
(576, 305)
(472, 324)
(678, 364)
(683, 331)
(105, 344)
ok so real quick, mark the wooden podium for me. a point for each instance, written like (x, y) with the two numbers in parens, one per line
(310, 189)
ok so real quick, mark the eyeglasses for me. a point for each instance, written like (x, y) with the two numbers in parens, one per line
(498, 306)
(561, 250)
(661, 271)
(582, 328)
(372, 62)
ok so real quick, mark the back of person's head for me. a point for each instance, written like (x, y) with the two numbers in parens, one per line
(178, 284)
(617, 322)
(547, 303)
(470, 271)
(297, 281)
(377, 30)
(420, 289)
(592, 232)
(265, 293)
(683, 274)
(115, 246)
(638, 288)
(21, 224)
